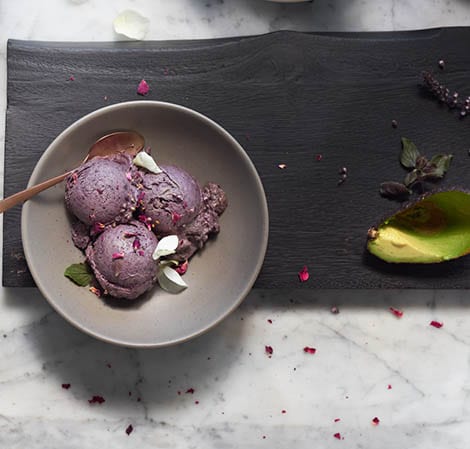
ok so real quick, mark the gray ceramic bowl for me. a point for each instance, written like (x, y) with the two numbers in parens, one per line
(219, 276)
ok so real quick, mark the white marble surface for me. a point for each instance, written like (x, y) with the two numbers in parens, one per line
(241, 391)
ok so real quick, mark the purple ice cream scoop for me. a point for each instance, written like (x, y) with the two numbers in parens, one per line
(102, 190)
(205, 224)
(171, 199)
(121, 259)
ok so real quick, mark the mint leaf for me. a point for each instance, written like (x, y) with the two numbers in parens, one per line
(440, 163)
(409, 153)
(411, 178)
(79, 273)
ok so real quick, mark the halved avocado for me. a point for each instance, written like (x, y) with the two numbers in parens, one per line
(434, 229)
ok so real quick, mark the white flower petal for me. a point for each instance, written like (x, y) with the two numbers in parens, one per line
(170, 280)
(131, 24)
(146, 161)
(167, 245)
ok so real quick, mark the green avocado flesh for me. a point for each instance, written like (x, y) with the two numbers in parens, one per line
(434, 229)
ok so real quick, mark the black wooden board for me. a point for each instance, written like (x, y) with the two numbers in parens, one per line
(286, 97)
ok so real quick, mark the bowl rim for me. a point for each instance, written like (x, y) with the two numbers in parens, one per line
(241, 152)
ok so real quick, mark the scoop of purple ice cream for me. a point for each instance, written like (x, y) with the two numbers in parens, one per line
(197, 232)
(171, 199)
(121, 259)
(101, 190)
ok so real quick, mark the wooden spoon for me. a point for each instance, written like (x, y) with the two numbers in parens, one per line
(129, 142)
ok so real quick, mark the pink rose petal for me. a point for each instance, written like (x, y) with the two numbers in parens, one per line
(118, 256)
(303, 274)
(436, 324)
(181, 269)
(143, 88)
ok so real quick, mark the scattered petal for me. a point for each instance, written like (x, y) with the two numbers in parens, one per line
(170, 280)
(270, 321)
(375, 421)
(310, 350)
(118, 256)
(319, 157)
(394, 124)
(389, 387)
(337, 419)
(396, 312)
(334, 310)
(196, 402)
(129, 429)
(65, 386)
(131, 24)
(146, 161)
(190, 391)
(175, 217)
(337, 435)
(166, 246)
(181, 269)
(283, 412)
(136, 244)
(143, 88)
(96, 291)
(436, 324)
(282, 166)
(97, 228)
(269, 350)
(71, 78)
(96, 400)
(303, 274)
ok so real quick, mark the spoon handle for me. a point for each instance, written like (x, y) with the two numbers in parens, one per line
(26, 194)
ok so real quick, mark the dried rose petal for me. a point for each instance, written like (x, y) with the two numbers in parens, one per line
(319, 157)
(389, 387)
(117, 256)
(196, 402)
(143, 88)
(65, 386)
(108, 365)
(269, 350)
(270, 321)
(71, 78)
(283, 412)
(181, 269)
(129, 429)
(128, 235)
(282, 166)
(136, 244)
(303, 274)
(96, 400)
(97, 228)
(175, 217)
(179, 393)
(141, 252)
(376, 421)
(95, 291)
(334, 310)
(337, 419)
(436, 324)
(337, 435)
(396, 312)
(190, 391)
(310, 350)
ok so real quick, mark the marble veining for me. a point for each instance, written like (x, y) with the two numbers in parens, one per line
(368, 363)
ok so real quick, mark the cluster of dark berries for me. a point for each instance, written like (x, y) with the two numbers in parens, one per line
(444, 95)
